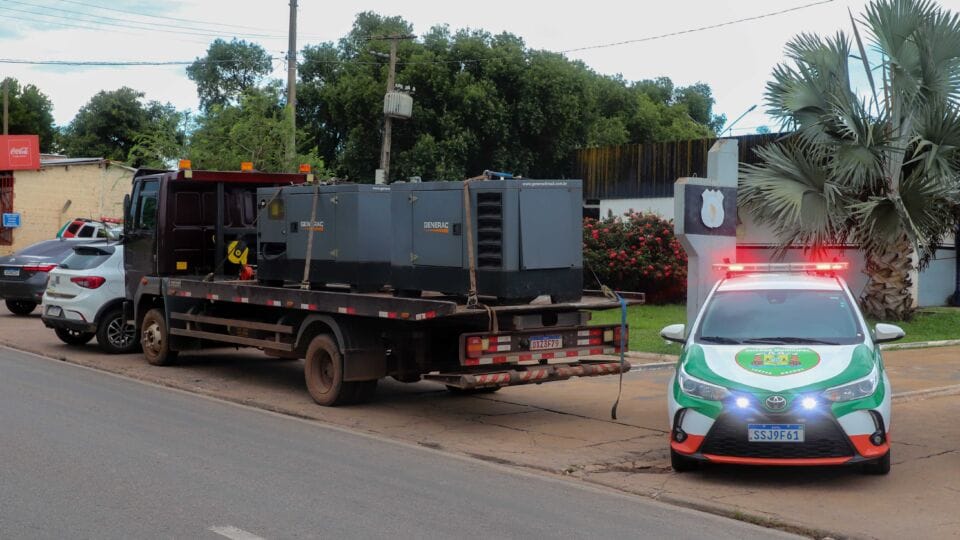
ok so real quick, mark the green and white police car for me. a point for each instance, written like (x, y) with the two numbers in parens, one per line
(780, 369)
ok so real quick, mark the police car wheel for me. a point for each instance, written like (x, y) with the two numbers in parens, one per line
(880, 466)
(681, 463)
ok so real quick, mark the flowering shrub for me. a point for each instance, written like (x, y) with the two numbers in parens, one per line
(636, 252)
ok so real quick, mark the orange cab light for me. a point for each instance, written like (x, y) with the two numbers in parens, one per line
(305, 168)
(184, 164)
(246, 166)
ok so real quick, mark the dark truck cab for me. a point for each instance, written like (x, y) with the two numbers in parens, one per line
(188, 233)
(181, 223)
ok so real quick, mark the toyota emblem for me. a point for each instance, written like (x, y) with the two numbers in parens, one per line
(775, 402)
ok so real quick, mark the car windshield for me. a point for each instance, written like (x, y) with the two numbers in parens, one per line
(780, 317)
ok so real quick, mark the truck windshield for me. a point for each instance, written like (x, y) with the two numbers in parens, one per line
(780, 317)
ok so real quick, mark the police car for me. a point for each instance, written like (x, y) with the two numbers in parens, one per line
(780, 369)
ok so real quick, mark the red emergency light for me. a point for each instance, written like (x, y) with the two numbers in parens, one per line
(766, 268)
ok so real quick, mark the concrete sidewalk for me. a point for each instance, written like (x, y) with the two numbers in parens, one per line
(565, 428)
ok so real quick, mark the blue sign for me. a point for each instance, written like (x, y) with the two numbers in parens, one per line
(11, 221)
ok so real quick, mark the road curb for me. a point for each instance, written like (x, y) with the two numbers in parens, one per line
(951, 390)
(919, 345)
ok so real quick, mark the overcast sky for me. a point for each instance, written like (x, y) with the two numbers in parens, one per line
(734, 60)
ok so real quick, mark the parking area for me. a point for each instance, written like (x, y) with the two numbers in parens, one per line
(565, 428)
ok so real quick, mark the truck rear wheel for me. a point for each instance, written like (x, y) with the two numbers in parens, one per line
(323, 372)
(155, 339)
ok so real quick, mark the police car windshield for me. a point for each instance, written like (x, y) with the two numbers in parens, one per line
(780, 317)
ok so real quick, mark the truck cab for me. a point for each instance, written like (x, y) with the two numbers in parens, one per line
(183, 223)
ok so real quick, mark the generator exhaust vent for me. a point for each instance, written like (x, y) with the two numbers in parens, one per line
(489, 230)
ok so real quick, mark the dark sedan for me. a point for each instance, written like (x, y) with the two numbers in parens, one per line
(23, 275)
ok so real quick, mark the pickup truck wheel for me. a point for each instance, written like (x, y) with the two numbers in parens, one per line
(323, 372)
(114, 336)
(155, 339)
(21, 307)
(73, 337)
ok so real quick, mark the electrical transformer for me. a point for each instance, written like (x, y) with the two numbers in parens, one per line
(527, 237)
(350, 229)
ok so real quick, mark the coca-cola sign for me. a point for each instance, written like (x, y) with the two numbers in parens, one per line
(19, 152)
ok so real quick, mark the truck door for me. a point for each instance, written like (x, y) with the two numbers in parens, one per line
(139, 245)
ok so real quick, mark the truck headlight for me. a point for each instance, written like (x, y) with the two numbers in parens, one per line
(695, 387)
(860, 388)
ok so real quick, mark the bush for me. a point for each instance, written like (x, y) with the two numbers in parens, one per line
(636, 252)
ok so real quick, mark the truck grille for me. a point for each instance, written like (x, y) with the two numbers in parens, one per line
(489, 230)
(823, 438)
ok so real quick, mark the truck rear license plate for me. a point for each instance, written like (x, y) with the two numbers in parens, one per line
(11, 272)
(778, 433)
(543, 343)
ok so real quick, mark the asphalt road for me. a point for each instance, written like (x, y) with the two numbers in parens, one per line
(89, 455)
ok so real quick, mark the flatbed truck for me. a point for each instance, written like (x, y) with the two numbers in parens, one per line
(186, 235)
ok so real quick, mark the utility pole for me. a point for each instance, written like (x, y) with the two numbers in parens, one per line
(6, 106)
(292, 84)
(388, 121)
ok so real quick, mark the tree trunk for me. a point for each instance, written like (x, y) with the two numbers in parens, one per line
(887, 294)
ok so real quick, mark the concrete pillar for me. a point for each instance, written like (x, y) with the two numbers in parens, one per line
(705, 221)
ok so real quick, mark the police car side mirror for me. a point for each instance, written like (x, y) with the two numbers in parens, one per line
(675, 333)
(884, 333)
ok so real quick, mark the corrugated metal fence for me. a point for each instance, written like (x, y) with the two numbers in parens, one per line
(631, 171)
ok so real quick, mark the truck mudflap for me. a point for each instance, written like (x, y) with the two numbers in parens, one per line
(530, 375)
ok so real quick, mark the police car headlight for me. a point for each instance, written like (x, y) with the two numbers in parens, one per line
(857, 389)
(695, 387)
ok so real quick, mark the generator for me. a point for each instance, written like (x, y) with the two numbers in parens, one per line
(351, 235)
(527, 237)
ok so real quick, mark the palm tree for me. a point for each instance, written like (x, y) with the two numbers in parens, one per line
(879, 168)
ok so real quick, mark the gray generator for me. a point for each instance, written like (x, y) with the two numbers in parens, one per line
(528, 238)
(351, 235)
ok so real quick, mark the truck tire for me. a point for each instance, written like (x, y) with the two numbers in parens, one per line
(73, 337)
(155, 339)
(114, 336)
(21, 307)
(323, 373)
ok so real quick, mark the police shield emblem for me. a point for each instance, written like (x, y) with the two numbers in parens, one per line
(711, 212)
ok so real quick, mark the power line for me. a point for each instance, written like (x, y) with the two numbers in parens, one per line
(169, 18)
(698, 29)
(120, 22)
(409, 62)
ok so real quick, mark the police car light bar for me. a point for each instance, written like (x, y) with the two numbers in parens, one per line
(740, 268)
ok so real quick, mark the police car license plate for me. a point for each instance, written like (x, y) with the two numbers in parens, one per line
(791, 433)
(11, 272)
(543, 343)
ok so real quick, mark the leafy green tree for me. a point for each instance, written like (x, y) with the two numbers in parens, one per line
(227, 70)
(110, 124)
(252, 130)
(482, 101)
(30, 113)
(882, 170)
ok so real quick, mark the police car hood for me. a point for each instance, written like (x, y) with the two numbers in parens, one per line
(781, 367)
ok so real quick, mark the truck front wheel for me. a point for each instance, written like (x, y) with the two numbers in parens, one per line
(323, 371)
(155, 339)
